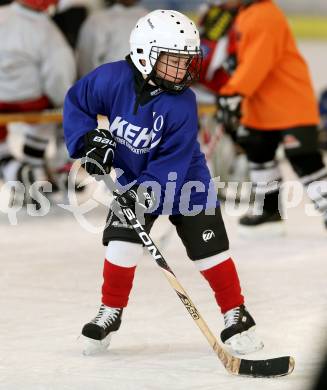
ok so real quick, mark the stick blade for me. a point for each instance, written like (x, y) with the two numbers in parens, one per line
(269, 368)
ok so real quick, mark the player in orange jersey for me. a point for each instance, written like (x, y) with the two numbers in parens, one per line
(272, 90)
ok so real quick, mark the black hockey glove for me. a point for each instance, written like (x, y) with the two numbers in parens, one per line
(229, 112)
(100, 148)
(136, 196)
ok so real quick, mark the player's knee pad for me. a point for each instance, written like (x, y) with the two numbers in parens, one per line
(203, 235)
(124, 254)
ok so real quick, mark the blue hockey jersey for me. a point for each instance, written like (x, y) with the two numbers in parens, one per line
(157, 143)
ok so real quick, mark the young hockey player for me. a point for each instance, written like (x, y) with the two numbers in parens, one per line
(153, 138)
(36, 69)
(278, 106)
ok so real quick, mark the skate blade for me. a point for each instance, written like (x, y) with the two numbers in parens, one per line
(244, 343)
(266, 230)
(95, 347)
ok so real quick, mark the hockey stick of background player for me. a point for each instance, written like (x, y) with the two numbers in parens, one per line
(252, 368)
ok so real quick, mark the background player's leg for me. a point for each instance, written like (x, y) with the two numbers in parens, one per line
(8, 164)
(36, 141)
(301, 147)
(264, 217)
(12, 169)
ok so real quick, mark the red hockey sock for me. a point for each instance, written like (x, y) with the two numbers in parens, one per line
(224, 281)
(118, 282)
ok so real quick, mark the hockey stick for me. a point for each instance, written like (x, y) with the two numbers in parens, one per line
(252, 368)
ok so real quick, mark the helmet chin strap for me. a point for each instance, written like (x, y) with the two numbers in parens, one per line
(151, 82)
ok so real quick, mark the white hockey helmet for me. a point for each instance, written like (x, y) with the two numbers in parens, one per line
(169, 32)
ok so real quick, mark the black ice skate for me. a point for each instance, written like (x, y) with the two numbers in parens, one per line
(239, 332)
(98, 331)
(268, 223)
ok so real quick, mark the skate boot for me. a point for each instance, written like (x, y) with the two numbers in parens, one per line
(267, 224)
(97, 332)
(239, 332)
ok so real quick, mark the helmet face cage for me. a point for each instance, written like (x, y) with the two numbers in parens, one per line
(175, 70)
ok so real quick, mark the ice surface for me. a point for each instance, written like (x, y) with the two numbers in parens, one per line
(50, 286)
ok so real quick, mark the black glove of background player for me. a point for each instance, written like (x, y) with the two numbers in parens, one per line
(229, 112)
